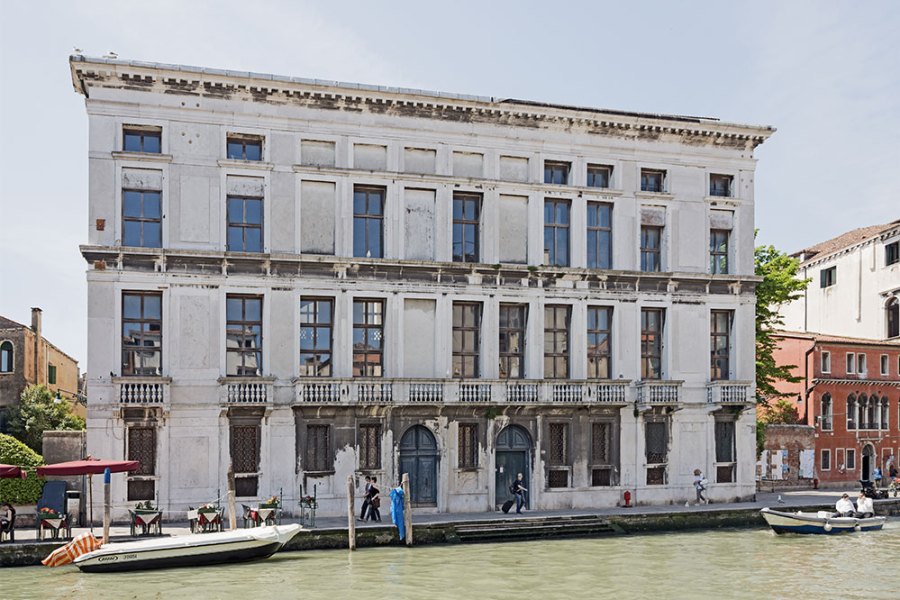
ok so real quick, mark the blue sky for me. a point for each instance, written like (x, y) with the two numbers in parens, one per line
(826, 74)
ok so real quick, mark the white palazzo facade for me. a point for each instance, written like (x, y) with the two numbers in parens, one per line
(310, 280)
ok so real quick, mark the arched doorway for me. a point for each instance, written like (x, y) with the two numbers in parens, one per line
(513, 456)
(419, 458)
(868, 455)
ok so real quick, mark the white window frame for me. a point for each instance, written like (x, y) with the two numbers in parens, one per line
(825, 452)
(851, 363)
(826, 361)
(861, 364)
(885, 365)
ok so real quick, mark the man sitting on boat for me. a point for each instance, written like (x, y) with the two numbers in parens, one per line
(844, 507)
(865, 508)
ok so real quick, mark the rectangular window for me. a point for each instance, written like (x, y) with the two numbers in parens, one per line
(466, 339)
(861, 364)
(720, 344)
(558, 455)
(891, 253)
(652, 321)
(368, 338)
(368, 221)
(141, 219)
(142, 139)
(142, 333)
(556, 173)
(141, 446)
(602, 461)
(826, 362)
(599, 176)
(652, 180)
(316, 332)
(851, 459)
(556, 342)
(556, 233)
(718, 251)
(245, 224)
(245, 447)
(599, 236)
(720, 185)
(656, 447)
(244, 147)
(651, 248)
(826, 460)
(51, 374)
(468, 445)
(851, 363)
(599, 342)
(511, 331)
(318, 448)
(369, 446)
(828, 277)
(884, 365)
(243, 336)
(839, 459)
(725, 451)
(466, 217)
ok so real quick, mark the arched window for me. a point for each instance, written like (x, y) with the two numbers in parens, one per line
(6, 357)
(851, 412)
(863, 403)
(872, 410)
(885, 408)
(826, 412)
(892, 316)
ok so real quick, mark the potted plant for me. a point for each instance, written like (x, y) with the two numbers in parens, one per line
(209, 507)
(308, 502)
(47, 513)
(145, 507)
(272, 502)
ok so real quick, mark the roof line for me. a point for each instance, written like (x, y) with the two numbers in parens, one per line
(79, 58)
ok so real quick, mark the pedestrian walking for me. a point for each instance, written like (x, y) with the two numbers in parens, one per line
(700, 483)
(518, 489)
(365, 505)
(374, 497)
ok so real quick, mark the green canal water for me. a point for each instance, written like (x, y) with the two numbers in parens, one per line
(739, 563)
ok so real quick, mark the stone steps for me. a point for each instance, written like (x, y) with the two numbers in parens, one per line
(534, 528)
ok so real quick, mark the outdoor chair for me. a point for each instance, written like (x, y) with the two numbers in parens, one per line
(53, 497)
(8, 532)
(251, 517)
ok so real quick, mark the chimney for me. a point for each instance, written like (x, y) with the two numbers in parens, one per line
(39, 371)
(36, 320)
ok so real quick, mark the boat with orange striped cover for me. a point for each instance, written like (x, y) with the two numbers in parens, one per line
(188, 550)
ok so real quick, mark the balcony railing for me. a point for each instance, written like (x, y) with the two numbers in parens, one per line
(729, 392)
(661, 392)
(246, 390)
(452, 391)
(143, 391)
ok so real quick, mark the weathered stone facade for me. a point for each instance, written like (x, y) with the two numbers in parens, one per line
(333, 280)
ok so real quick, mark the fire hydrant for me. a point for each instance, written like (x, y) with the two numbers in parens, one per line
(627, 498)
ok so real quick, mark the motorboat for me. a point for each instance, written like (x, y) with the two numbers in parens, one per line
(821, 522)
(188, 550)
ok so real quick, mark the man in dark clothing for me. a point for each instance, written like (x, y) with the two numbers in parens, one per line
(373, 497)
(365, 505)
(518, 489)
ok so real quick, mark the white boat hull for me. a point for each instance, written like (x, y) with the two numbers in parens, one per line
(188, 550)
(818, 523)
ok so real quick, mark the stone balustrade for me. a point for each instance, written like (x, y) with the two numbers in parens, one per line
(729, 392)
(143, 391)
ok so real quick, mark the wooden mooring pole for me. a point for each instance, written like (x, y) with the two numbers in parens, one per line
(407, 509)
(351, 514)
(232, 509)
(107, 506)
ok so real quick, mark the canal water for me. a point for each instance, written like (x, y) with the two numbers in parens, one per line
(739, 563)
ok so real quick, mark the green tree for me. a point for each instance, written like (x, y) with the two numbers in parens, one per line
(39, 411)
(782, 412)
(20, 491)
(779, 285)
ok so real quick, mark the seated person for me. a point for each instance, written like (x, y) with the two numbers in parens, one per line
(864, 507)
(844, 507)
(7, 517)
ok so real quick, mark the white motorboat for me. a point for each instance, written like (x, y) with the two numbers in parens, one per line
(821, 522)
(188, 550)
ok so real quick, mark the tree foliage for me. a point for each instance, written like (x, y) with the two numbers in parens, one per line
(782, 412)
(779, 285)
(20, 491)
(39, 411)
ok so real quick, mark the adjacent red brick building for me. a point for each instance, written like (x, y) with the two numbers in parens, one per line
(850, 393)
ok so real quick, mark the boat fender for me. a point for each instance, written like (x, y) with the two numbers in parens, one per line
(857, 527)
(827, 526)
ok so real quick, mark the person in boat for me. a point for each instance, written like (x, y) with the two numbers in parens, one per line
(700, 483)
(865, 508)
(844, 507)
(374, 498)
(363, 513)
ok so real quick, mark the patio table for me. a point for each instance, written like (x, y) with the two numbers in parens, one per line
(53, 525)
(150, 521)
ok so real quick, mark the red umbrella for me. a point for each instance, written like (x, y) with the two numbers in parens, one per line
(11, 472)
(88, 466)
